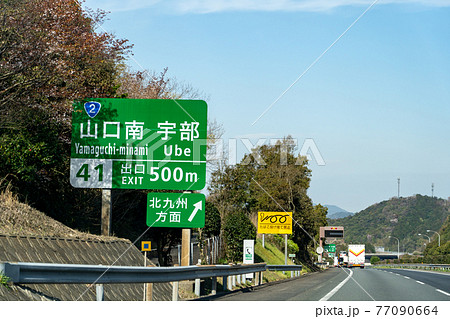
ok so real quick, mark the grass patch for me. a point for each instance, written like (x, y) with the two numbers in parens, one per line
(20, 219)
(271, 255)
(4, 281)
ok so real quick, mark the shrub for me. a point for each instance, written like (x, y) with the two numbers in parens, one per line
(374, 259)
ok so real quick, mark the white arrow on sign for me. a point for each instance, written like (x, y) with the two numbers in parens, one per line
(197, 206)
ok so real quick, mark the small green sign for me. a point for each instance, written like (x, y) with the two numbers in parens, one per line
(330, 248)
(139, 144)
(177, 210)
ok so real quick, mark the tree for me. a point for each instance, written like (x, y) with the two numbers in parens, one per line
(212, 221)
(370, 248)
(151, 85)
(50, 54)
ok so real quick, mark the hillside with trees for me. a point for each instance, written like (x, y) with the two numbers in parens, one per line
(403, 218)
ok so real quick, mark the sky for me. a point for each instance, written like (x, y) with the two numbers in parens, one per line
(363, 86)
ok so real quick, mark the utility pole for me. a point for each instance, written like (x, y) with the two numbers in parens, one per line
(432, 190)
(398, 189)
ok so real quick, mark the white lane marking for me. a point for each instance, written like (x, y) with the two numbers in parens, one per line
(332, 292)
(443, 292)
(419, 282)
(406, 277)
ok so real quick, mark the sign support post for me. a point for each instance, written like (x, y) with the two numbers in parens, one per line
(320, 255)
(145, 285)
(106, 212)
(148, 287)
(185, 246)
(285, 248)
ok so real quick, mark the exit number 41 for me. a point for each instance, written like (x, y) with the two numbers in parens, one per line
(91, 173)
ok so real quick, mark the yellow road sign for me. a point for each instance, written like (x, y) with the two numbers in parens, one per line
(146, 246)
(274, 222)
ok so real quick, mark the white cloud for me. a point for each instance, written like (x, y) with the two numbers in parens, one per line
(211, 6)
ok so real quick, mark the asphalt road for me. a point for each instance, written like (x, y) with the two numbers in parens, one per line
(341, 284)
(393, 285)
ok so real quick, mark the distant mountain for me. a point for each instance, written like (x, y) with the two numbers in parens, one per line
(335, 212)
(403, 218)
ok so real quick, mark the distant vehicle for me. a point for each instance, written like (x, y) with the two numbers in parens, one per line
(356, 255)
(343, 259)
(336, 261)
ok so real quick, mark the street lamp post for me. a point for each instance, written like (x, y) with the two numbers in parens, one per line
(439, 236)
(429, 239)
(398, 246)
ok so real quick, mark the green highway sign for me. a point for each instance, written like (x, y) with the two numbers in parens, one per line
(139, 144)
(179, 210)
(330, 248)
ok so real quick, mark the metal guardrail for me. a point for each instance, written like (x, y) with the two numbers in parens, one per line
(440, 266)
(444, 267)
(34, 273)
(41, 273)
